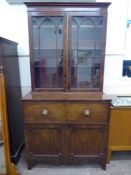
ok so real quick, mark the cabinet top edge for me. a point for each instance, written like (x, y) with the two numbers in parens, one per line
(8, 41)
(65, 96)
(67, 4)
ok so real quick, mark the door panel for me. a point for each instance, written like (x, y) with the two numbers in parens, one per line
(48, 53)
(85, 50)
(85, 142)
(44, 142)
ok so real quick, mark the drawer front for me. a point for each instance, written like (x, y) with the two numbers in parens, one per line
(44, 112)
(89, 112)
(66, 112)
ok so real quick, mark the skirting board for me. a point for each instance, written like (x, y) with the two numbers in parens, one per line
(116, 148)
(16, 156)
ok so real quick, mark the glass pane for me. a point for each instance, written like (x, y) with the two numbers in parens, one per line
(48, 51)
(86, 51)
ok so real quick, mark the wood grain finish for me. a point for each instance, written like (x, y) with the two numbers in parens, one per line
(66, 112)
(87, 112)
(44, 144)
(67, 125)
(0, 131)
(10, 168)
(91, 145)
(119, 130)
(66, 96)
(66, 135)
(67, 4)
(9, 61)
(33, 112)
(67, 11)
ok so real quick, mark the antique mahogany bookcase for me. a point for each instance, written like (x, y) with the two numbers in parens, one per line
(66, 116)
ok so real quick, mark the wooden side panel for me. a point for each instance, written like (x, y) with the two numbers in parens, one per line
(9, 59)
(119, 130)
(10, 168)
(120, 127)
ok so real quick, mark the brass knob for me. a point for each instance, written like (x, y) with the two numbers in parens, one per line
(86, 112)
(44, 112)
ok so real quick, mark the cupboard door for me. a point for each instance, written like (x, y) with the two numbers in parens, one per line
(86, 143)
(86, 33)
(44, 143)
(48, 50)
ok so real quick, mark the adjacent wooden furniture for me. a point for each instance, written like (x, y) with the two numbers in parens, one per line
(10, 168)
(9, 60)
(66, 117)
(120, 130)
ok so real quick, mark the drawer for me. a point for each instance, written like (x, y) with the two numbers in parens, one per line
(66, 112)
(44, 112)
(90, 112)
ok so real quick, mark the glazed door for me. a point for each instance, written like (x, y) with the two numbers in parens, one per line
(86, 50)
(47, 56)
(44, 142)
(86, 142)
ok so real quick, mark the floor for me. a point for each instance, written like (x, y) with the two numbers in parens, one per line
(120, 165)
(2, 161)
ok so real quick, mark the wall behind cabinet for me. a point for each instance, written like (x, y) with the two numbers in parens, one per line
(14, 26)
(116, 48)
(13, 19)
